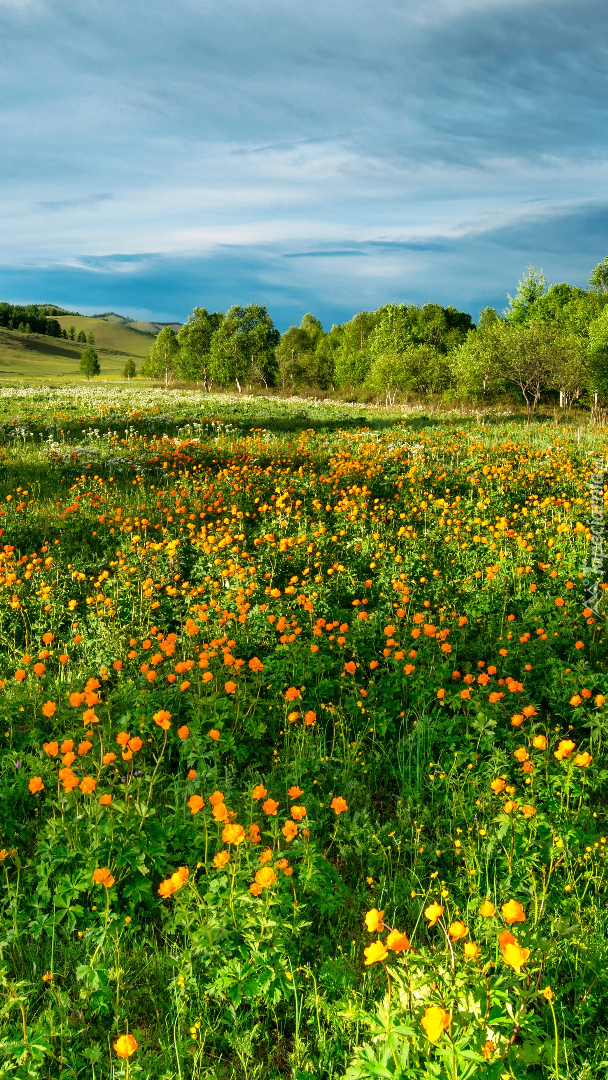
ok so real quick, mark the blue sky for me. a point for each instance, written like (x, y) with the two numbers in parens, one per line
(326, 157)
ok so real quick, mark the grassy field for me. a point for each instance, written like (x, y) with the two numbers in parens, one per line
(36, 356)
(303, 771)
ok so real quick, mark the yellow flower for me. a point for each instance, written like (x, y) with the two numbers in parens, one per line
(375, 952)
(125, 1045)
(458, 930)
(548, 993)
(435, 1021)
(471, 950)
(397, 942)
(373, 921)
(433, 913)
(487, 910)
(513, 912)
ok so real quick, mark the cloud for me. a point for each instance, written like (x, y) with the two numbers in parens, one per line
(331, 154)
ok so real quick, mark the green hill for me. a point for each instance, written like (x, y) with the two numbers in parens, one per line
(36, 356)
(136, 324)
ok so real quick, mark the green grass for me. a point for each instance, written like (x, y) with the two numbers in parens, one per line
(36, 356)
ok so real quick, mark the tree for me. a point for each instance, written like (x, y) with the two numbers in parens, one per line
(64, 334)
(388, 375)
(599, 277)
(89, 364)
(161, 361)
(82, 337)
(129, 371)
(195, 345)
(243, 347)
(528, 292)
(72, 333)
(91, 339)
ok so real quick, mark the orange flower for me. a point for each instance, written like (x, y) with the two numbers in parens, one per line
(103, 876)
(122, 738)
(513, 912)
(397, 942)
(221, 859)
(183, 685)
(87, 785)
(374, 921)
(70, 781)
(266, 855)
(539, 742)
(207, 677)
(512, 953)
(435, 1021)
(109, 758)
(68, 758)
(220, 812)
(51, 748)
(255, 888)
(270, 807)
(599, 700)
(233, 834)
(433, 913)
(259, 792)
(255, 664)
(376, 952)
(135, 744)
(84, 747)
(195, 803)
(521, 753)
(350, 668)
(48, 708)
(163, 719)
(295, 792)
(298, 812)
(35, 784)
(517, 720)
(289, 830)
(292, 694)
(105, 800)
(310, 718)
(183, 731)
(509, 807)
(125, 1045)
(117, 665)
(214, 734)
(583, 760)
(254, 833)
(89, 717)
(265, 876)
(339, 805)
(497, 786)
(191, 774)
(39, 669)
(20, 674)
(564, 749)
(230, 687)
(529, 710)
(458, 931)
(76, 700)
(575, 700)
(528, 811)
(487, 910)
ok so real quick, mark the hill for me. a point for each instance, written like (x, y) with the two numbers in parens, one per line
(36, 356)
(137, 324)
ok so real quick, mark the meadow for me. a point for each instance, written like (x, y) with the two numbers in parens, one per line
(303, 769)
(38, 356)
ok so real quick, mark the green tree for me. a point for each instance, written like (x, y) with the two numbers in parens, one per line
(161, 361)
(64, 334)
(89, 364)
(194, 340)
(72, 333)
(529, 290)
(599, 277)
(243, 347)
(82, 337)
(91, 339)
(129, 371)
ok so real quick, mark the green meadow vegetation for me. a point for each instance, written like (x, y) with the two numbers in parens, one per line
(303, 763)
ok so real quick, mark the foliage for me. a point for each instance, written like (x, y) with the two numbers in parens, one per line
(243, 347)
(89, 363)
(195, 344)
(162, 360)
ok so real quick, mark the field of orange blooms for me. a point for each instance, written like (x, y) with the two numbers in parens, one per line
(303, 766)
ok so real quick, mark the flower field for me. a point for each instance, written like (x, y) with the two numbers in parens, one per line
(303, 767)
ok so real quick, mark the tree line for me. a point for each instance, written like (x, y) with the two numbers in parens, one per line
(37, 319)
(550, 342)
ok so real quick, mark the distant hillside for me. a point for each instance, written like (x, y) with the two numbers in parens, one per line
(27, 356)
(136, 324)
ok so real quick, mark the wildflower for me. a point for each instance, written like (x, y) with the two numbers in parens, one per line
(310, 718)
(487, 910)
(521, 753)
(230, 687)
(376, 952)
(599, 700)
(220, 812)
(548, 993)
(216, 798)
(163, 719)
(259, 792)
(233, 834)
(487, 1049)
(265, 855)
(255, 888)
(339, 805)
(254, 832)
(48, 708)
(84, 747)
(51, 748)
(125, 1045)
(471, 950)
(89, 717)
(207, 677)
(109, 758)
(539, 742)
(350, 668)
(517, 720)
(123, 738)
(435, 1021)
(265, 877)
(298, 812)
(458, 931)
(117, 665)
(292, 694)
(68, 758)
(270, 807)
(295, 792)
(195, 803)
(289, 830)
(105, 800)
(87, 785)
(397, 942)
(76, 700)
(497, 786)
(20, 674)
(213, 734)
(35, 784)
(509, 807)
(374, 921)
(221, 859)
(583, 760)
(529, 710)
(39, 669)
(564, 749)
(255, 664)
(191, 774)
(512, 953)
(103, 876)
(513, 912)
(433, 913)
